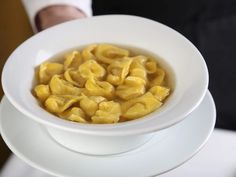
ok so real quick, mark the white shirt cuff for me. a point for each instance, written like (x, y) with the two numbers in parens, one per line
(32, 7)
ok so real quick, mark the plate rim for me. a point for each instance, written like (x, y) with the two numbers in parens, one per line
(52, 172)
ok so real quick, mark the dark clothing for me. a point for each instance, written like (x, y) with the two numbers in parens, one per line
(210, 25)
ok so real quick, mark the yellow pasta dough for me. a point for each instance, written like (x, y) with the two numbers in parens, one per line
(150, 66)
(42, 92)
(91, 69)
(118, 70)
(88, 52)
(132, 88)
(108, 112)
(72, 60)
(89, 106)
(59, 103)
(140, 106)
(47, 70)
(74, 114)
(59, 86)
(108, 53)
(100, 88)
(74, 77)
(102, 84)
(160, 92)
(158, 77)
(137, 67)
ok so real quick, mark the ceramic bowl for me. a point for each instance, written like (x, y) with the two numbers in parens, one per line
(186, 68)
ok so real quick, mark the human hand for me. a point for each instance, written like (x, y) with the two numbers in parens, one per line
(56, 14)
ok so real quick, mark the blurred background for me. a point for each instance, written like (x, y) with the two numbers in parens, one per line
(209, 24)
(14, 29)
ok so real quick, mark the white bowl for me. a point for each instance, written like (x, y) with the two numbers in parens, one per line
(186, 67)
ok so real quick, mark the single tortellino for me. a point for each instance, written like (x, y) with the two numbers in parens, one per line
(160, 92)
(139, 106)
(72, 60)
(89, 106)
(108, 112)
(157, 78)
(74, 114)
(100, 88)
(59, 86)
(59, 103)
(118, 70)
(137, 67)
(74, 77)
(108, 53)
(88, 52)
(132, 88)
(42, 92)
(151, 66)
(47, 70)
(91, 69)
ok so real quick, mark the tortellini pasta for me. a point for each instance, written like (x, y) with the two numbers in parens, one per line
(101, 84)
(89, 106)
(74, 77)
(88, 52)
(158, 77)
(91, 69)
(59, 103)
(101, 88)
(132, 88)
(75, 114)
(118, 70)
(47, 70)
(59, 86)
(150, 66)
(108, 53)
(42, 92)
(160, 92)
(108, 112)
(73, 60)
(140, 106)
(137, 67)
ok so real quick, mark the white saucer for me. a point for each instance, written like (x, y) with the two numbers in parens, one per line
(29, 141)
